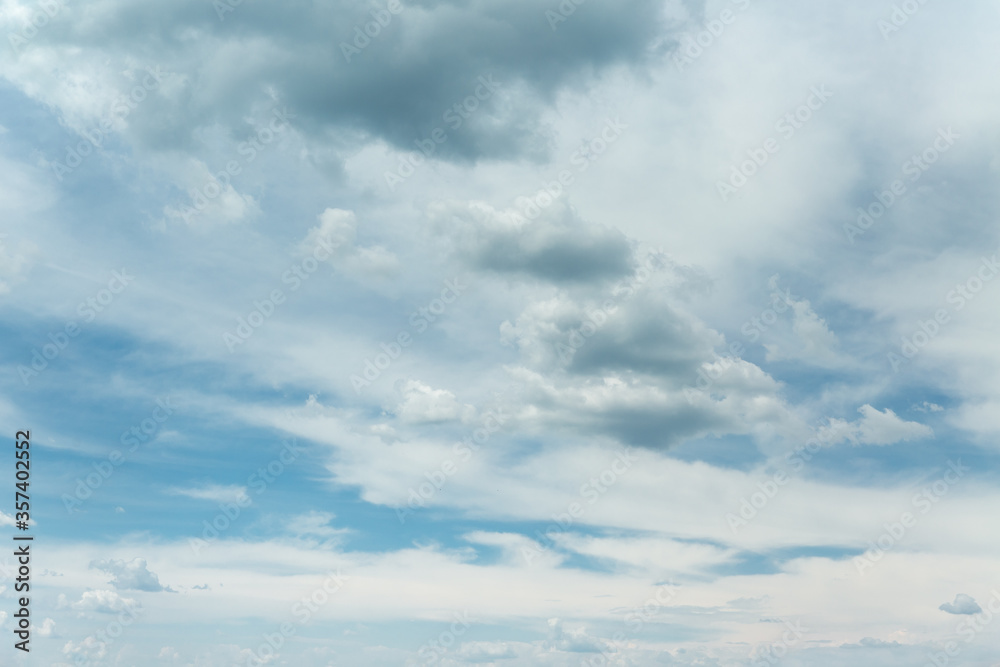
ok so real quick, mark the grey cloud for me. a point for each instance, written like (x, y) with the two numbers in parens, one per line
(130, 575)
(425, 60)
(557, 246)
(632, 327)
(963, 605)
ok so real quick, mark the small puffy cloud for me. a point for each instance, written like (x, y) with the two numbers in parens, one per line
(102, 601)
(46, 629)
(476, 652)
(130, 575)
(215, 493)
(963, 605)
(90, 649)
(336, 231)
(874, 428)
(927, 407)
(573, 641)
(168, 653)
(335, 237)
(422, 405)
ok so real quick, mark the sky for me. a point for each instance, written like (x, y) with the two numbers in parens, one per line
(502, 332)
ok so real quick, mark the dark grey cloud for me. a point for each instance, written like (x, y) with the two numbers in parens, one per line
(398, 87)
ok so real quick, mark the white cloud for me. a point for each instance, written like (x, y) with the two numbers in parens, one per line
(422, 404)
(216, 493)
(874, 428)
(103, 601)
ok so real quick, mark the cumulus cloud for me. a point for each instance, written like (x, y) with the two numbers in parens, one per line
(557, 246)
(422, 404)
(478, 652)
(103, 601)
(46, 629)
(336, 233)
(130, 575)
(962, 605)
(576, 640)
(295, 53)
(874, 428)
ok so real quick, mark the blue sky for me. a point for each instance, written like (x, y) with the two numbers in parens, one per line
(509, 332)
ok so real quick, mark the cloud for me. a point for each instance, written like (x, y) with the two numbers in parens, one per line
(810, 340)
(874, 428)
(46, 629)
(103, 601)
(130, 575)
(477, 652)
(963, 605)
(216, 493)
(399, 89)
(337, 233)
(90, 649)
(422, 404)
(573, 641)
(557, 246)
(313, 524)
